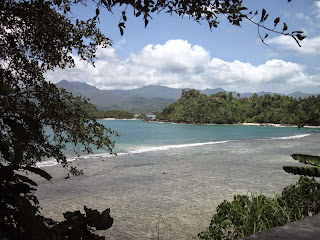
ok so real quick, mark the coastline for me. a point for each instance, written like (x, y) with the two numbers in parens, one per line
(275, 125)
(176, 190)
(245, 124)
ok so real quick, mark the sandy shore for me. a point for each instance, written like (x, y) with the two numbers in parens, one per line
(172, 193)
(275, 125)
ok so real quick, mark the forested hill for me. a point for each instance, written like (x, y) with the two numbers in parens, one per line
(196, 107)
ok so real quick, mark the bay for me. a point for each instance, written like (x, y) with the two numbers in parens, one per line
(138, 136)
(167, 179)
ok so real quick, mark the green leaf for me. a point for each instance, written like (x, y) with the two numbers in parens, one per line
(38, 171)
(305, 171)
(307, 159)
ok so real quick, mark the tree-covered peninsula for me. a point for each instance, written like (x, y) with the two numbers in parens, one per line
(223, 108)
(90, 111)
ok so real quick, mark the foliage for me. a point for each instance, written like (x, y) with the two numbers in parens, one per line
(20, 212)
(144, 117)
(35, 37)
(195, 107)
(305, 171)
(90, 111)
(246, 215)
(208, 11)
(119, 114)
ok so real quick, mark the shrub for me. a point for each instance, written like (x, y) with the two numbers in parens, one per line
(247, 215)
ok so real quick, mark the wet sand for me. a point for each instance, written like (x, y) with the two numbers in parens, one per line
(172, 194)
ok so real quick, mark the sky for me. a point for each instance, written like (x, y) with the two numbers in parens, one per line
(181, 53)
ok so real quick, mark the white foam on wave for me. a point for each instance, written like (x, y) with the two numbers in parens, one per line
(167, 147)
(52, 162)
(291, 137)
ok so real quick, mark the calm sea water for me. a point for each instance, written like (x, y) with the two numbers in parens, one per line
(137, 136)
(173, 176)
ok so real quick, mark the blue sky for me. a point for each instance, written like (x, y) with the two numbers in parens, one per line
(181, 53)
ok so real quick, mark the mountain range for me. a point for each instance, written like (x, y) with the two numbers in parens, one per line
(146, 99)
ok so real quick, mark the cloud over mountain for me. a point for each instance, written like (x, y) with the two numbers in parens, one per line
(178, 63)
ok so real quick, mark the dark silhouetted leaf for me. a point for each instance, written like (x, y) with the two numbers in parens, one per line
(5, 89)
(38, 171)
(101, 221)
(263, 15)
(26, 179)
(305, 171)
(300, 37)
(276, 21)
(285, 27)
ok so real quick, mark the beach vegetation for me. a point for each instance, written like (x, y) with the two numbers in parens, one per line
(303, 170)
(246, 215)
(144, 117)
(222, 108)
(91, 111)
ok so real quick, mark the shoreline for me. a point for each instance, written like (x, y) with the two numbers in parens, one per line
(244, 124)
(178, 189)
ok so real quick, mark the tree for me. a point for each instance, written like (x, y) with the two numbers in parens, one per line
(30, 105)
(40, 35)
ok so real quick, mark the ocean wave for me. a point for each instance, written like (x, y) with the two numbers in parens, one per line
(292, 137)
(167, 147)
(52, 162)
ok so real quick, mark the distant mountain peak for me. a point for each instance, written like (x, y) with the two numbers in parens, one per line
(80, 86)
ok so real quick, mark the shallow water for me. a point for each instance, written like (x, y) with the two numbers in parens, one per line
(138, 137)
(172, 193)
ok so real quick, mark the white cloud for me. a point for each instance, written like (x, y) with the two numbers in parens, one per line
(305, 18)
(173, 57)
(316, 10)
(309, 46)
(179, 64)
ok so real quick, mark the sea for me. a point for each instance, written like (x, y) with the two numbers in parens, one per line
(167, 180)
(136, 136)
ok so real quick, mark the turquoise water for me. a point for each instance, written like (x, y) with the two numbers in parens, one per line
(137, 136)
(178, 172)
(147, 136)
